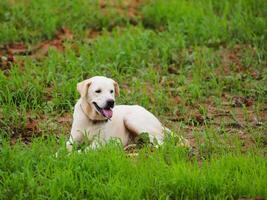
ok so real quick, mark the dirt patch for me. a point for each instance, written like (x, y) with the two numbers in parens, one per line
(66, 118)
(127, 8)
(231, 61)
(37, 125)
(9, 54)
(6, 58)
(235, 118)
(230, 58)
(42, 49)
(93, 33)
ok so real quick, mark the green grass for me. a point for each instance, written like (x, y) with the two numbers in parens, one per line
(199, 66)
(31, 20)
(210, 22)
(34, 172)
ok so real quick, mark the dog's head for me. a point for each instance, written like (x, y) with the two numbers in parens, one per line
(99, 92)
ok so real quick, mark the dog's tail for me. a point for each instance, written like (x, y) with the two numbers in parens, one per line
(180, 140)
(69, 144)
(167, 131)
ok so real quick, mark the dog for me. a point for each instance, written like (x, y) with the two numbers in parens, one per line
(96, 115)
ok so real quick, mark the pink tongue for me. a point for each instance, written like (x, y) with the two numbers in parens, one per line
(107, 113)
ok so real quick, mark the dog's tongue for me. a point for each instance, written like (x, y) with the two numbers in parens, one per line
(107, 113)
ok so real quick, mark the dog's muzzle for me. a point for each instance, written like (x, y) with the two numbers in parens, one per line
(107, 110)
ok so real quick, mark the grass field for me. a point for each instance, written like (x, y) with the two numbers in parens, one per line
(199, 65)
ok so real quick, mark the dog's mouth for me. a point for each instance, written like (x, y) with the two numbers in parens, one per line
(106, 112)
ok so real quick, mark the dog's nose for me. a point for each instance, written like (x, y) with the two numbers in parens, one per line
(110, 103)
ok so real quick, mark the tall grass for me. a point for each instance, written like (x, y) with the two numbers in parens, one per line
(34, 172)
(210, 22)
(30, 21)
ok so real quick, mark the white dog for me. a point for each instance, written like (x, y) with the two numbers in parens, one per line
(95, 114)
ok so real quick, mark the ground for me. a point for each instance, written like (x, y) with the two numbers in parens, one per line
(199, 66)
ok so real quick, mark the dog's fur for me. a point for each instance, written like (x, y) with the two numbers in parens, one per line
(94, 115)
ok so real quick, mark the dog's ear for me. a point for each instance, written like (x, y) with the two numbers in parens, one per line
(117, 89)
(83, 86)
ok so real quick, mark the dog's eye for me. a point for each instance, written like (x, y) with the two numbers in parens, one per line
(98, 91)
(111, 91)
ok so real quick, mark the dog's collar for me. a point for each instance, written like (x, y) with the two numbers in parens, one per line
(92, 120)
(99, 121)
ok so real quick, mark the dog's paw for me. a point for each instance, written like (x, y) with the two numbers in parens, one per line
(69, 146)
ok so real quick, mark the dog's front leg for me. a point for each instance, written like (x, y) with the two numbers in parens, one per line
(76, 137)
